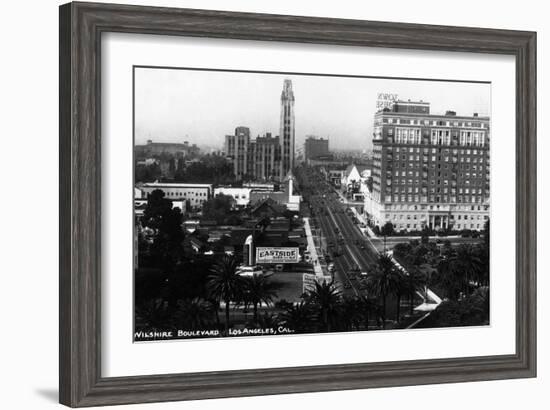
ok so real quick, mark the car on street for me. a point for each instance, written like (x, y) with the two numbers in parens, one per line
(243, 270)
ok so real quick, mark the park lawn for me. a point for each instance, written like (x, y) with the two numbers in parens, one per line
(291, 285)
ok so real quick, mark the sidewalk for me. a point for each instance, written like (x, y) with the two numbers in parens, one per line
(359, 216)
(429, 293)
(363, 220)
(312, 250)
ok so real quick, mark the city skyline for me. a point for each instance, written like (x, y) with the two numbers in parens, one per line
(173, 105)
(257, 242)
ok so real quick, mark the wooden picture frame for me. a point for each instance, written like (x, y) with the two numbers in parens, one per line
(81, 27)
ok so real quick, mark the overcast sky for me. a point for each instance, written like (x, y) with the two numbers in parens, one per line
(201, 107)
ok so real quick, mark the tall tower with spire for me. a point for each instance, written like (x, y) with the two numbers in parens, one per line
(286, 131)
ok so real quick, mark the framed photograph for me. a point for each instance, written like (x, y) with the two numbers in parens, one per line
(259, 204)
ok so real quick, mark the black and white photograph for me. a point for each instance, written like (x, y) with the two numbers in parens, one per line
(273, 204)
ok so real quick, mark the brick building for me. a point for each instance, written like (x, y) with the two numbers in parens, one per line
(429, 170)
(315, 148)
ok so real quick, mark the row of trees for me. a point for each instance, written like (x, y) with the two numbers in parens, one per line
(175, 290)
(459, 270)
(321, 309)
(458, 274)
(207, 169)
(472, 310)
(165, 251)
(195, 301)
(211, 169)
(388, 229)
(220, 209)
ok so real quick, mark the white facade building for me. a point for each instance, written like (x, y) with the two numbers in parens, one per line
(193, 194)
(293, 203)
(240, 195)
(351, 175)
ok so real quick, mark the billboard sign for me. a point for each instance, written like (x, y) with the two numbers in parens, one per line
(277, 255)
(308, 282)
(385, 100)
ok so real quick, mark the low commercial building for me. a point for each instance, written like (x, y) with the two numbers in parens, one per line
(260, 186)
(140, 204)
(335, 176)
(284, 197)
(170, 148)
(194, 195)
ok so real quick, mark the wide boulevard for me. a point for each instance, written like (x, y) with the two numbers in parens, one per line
(347, 247)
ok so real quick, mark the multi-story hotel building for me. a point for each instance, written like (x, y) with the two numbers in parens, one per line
(429, 170)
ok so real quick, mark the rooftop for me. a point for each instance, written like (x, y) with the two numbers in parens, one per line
(175, 185)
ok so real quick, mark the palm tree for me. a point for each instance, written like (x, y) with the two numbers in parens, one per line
(367, 307)
(215, 306)
(401, 289)
(326, 298)
(470, 265)
(267, 320)
(193, 313)
(415, 279)
(351, 313)
(449, 277)
(298, 317)
(384, 280)
(225, 284)
(260, 290)
(480, 305)
(154, 314)
(483, 274)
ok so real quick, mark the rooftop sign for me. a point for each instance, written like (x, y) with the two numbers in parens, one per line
(385, 100)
